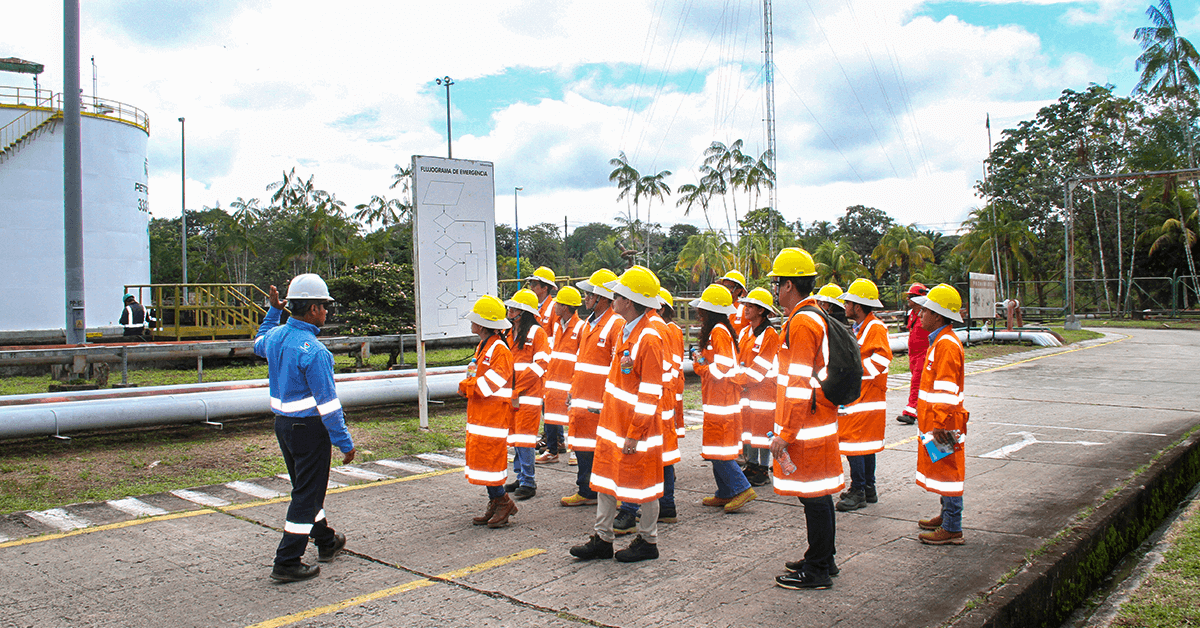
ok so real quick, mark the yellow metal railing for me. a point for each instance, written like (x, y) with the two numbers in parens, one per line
(24, 125)
(202, 310)
(88, 105)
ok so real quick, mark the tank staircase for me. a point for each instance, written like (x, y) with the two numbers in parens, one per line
(201, 310)
(28, 126)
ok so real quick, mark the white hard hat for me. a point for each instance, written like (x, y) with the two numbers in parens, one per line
(308, 286)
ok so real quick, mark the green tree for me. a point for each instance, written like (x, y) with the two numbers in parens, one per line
(1168, 61)
(837, 262)
(904, 248)
(693, 195)
(862, 227)
(706, 255)
(375, 299)
(677, 237)
(650, 187)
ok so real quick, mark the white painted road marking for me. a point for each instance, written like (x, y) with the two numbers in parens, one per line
(254, 490)
(60, 519)
(361, 474)
(1027, 439)
(330, 485)
(196, 497)
(136, 507)
(411, 467)
(1075, 429)
(454, 462)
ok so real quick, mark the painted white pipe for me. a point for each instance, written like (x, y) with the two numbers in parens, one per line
(899, 341)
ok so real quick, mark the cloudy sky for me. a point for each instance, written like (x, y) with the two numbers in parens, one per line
(878, 102)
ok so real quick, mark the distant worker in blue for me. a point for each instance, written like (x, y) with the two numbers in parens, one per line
(308, 419)
(135, 318)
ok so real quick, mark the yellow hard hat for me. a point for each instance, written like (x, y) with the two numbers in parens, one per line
(489, 312)
(525, 300)
(544, 275)
(793, 262)
(665, 297)
(830, 293)
(568, 295)
(942, 299)
(595, 283)
(715, 298)
(736, 277)
(638, 284)
(762, 298)
(864, 292)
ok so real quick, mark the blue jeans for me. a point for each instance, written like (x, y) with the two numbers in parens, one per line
(952, 513)
(730, 479)
(758, 456)
(523, 466)
(862, 472)
(822, 530)
(554, 438)
(495, 492)
(668, 498)
(583, 477)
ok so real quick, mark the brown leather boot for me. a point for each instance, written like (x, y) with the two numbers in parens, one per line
(487, 514)
(505, 507)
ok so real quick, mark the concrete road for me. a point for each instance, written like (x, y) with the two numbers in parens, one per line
(1050, 433)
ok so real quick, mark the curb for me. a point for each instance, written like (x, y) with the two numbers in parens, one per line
(1046, 591)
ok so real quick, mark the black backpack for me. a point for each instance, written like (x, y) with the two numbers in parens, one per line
(843, 373)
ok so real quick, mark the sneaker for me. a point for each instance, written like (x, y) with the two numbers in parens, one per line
(294, 573)
(625, 522)
(594, 548)
(907, 419)
(741, 499)
(941, 537)
(798, 565)
(540, 446)
(715, 502)
(759, 475)
(512, 486)
(803, 580)
(930, 524)
(872, 496)
(546, 458)
(525, 492)
(571, 460)
(638, 550)
(851, 500)
(667, 514)
(577, 500)
(327, 554)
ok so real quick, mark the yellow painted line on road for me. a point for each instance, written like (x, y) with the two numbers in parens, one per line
(396, 590)
(901, 442)
(106, 527)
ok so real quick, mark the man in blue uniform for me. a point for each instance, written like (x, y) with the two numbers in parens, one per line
(308, 419)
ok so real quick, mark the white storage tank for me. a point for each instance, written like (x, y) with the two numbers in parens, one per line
(116, 241)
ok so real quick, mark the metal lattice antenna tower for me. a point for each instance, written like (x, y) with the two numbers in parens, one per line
(769, 95)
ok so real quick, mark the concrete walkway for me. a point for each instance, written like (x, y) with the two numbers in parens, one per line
(1051, 432)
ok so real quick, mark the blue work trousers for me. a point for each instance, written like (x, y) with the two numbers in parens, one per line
(304, 442)
(862, 472)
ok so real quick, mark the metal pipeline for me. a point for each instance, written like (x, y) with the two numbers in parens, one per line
(899, 341)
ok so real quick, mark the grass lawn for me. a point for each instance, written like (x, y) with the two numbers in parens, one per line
(1170, 596)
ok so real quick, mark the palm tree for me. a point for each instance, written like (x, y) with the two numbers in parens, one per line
(382, 210)
(651, 187)
(691, 195)
(240, 237)
(994, 225)
(626, 177)
(838, 263)
(706, 255)
(721, 164)
(905, 248)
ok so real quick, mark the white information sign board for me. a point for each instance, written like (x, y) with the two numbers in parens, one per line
(454, 242)
(983, 296)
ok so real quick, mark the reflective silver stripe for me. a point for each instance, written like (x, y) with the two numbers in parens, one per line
(724, 360)
(559, 355)
(869, 371)
(495, 378)
(293, 406)
(762, 405)
(855, 408)
(619, 394)
(573, 441)
(815, 486)
(642, 445)
(486, 476)
(645, 408)
(671, 457)
(721, 410)
(668, 415)
(504, 392)
(490, 432)
(329, 406)
(745, 436)
(553, 385)
(522, 440)
(594, 369)
(320, 516)
(797, 369)
(291, 527)
(813, 433)
(853, 447)
(679, 431)
(760, 441)
(754, 375)
(949, 487)
(794, 392)
(650, 389)
(881, 360)
(586, 404)
(529, 401)
(538, 369)
(711, 450)
(484, 388)
(946, 398)
(943, 385)
(758, 359)
(911, 410)
(625, 492)
(557, 419)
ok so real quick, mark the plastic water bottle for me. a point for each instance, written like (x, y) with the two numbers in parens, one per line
(785, 461)
(626, 363)
(471, 368)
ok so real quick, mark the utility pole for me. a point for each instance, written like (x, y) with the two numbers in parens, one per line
(517, 235)
(76, 325)
(769, 89)
(183, 200)
(447, 81)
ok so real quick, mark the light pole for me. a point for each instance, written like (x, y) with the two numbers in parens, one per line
(517, 235)
(447, 81)
(183, 198)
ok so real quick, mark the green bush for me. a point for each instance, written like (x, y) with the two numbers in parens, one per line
(375, 299)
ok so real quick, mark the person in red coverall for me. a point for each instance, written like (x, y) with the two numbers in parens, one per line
(918, 344)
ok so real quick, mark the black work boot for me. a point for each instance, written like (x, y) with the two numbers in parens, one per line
(625, 522)
(594, 548)
(639, 549)
(852, 500)
(294, 573)
(327, 554)
(872, 495)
